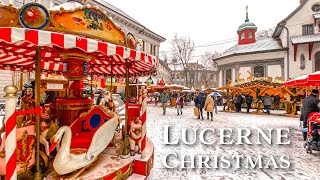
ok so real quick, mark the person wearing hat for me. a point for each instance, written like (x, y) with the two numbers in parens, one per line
(100, 99)
(309, 104)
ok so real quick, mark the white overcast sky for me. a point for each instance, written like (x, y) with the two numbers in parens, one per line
(204, 21)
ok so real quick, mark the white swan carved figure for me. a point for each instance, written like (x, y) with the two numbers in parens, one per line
(66, 162)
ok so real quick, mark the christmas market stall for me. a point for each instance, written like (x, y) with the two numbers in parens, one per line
(257, 87)
(76, 41)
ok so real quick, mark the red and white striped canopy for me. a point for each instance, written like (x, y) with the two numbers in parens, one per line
(312, 79)
(18, 50)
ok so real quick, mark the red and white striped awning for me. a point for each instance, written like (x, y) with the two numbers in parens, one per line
(18, 50)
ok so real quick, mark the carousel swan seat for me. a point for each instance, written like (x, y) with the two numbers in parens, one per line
(86, 125)
(84, 140)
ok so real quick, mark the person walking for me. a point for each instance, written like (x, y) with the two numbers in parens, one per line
(249, 100)
(224, 102)
(164, 98)
(208, 106)
(309, 104)
(276, 101)
(179, 103)
(239, 102)
(267, 101)
(215, 103)
(200, 101)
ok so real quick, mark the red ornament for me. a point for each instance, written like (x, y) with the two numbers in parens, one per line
(32, 15)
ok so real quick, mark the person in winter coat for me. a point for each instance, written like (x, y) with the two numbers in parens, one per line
(239, 102)
(309, 104)
(199, 102)
(164, 98)
(179, 103)
(208, 106)
(101, 98)
(224, 102)
(249, 100)
(276, 101)
(267, 101)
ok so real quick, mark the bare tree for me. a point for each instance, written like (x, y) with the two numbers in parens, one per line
(164, 56)
(264, 34)
(208, 65)
(182, 49)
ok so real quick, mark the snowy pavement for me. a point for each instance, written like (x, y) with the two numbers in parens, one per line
(303, 165)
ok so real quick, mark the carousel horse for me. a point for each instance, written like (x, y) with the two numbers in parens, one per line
(69, 160)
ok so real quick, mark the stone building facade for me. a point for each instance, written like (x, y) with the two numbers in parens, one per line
(198, 76)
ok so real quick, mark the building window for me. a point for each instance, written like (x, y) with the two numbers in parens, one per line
(143, 46)
(307, 29)
(259, 71)
(250, 35)
(302, 62)
(228, 76)
(242, 36)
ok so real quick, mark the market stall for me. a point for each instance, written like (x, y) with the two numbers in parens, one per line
(35, 39)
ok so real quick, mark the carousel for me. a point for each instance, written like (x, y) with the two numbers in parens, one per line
(71, 138)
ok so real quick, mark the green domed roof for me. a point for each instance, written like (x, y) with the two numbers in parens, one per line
(247, 25)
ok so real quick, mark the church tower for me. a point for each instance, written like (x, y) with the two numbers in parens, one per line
(247, 31)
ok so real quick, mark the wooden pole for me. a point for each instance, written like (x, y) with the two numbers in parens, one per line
(111, 88)
(126, 152)
(38, 175)
(21, 81)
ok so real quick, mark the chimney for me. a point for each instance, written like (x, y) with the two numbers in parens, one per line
(302, 1)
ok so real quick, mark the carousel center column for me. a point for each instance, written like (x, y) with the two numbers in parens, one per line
(68, 109)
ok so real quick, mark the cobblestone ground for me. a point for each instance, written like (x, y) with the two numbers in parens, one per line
(303, 165)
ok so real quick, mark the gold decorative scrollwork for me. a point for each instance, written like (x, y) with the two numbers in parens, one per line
(24, 151)
(122, 176)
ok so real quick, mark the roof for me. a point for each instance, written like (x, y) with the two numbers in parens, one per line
(247, 25)
(269, 44)
(122, 13)
(305, 39)
(18, 47)
(281, 24)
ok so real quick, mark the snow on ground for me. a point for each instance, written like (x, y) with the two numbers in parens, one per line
(303, 165)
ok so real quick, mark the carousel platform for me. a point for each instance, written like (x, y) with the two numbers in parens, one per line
(109, 166)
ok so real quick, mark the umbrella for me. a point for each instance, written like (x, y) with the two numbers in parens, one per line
(314, 78)
(302, 80)
(156, 93)
(215, 94)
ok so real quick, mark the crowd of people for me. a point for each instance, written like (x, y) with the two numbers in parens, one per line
(246, 100)
(208, 103)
